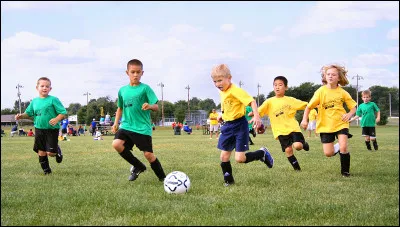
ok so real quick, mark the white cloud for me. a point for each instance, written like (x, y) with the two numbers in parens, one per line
(393, 34)
(184, 28)
(375, 59)
(328, 17)
(227, 27)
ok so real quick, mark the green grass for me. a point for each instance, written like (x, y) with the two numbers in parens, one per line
(91, 187)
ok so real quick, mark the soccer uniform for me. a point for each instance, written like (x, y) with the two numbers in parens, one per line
(367, 113)
(136, 128)
(234, 133)
(329, 121)
(43, 110)
(331, 110)
(312, 120)
(213, 123)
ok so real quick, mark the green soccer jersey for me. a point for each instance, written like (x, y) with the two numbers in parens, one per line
(248, 118)
(367, 113)
(43, 110)
(130, 100)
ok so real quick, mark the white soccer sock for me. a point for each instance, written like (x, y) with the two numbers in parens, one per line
(336, 148)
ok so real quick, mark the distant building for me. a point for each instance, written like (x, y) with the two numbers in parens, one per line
(9, 120)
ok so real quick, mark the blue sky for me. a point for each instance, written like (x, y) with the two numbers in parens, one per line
(84, 46)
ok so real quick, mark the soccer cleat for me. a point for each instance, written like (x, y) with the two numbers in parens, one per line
(59, 156)
(135, 173)
(47, 171)
(267, 159)
(345, 174)
(227, 183)
(306, 147)
(375, 146)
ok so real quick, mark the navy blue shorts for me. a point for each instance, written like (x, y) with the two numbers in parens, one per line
(234, 135)
(142, 142)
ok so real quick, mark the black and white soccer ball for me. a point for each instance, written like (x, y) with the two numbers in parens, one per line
(176, 182)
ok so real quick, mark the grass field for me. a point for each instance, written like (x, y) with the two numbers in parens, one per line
(91, 187)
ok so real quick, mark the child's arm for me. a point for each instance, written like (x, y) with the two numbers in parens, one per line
(354, 118)
(118, 115)
(147, 106)
(304, 122)
(346, 117)
(57, 119)
(256, 120)
(21, 116)
(378, 117)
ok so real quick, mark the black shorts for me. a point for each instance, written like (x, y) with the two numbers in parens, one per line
(64, 131)
(46, 140)
(368, 131)
(142, 142)
(330, 137)
(288, 140)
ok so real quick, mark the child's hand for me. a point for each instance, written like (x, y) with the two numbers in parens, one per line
(145, 106)
(53, 121)
(346, 117)
(18, 116)
(378, 119)
(304, 124)
(114, 128)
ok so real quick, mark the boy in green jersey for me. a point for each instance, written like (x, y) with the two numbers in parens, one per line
(367, 111)
(135, 101)
(47, 111)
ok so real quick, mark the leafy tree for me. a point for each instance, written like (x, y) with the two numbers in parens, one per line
(8, 111)
(73, 108)
(207, 105)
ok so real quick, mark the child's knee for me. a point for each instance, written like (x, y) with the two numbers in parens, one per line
(298, 146)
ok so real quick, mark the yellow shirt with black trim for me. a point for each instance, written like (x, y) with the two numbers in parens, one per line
(213, 115)
(233, 102)
(281, 112)
(312, 115)
(331, 109)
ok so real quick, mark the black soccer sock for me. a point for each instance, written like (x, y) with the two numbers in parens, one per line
(255, 155)
(227, 171)
(128, 156)
(368, 143)
(158, 170)
(292, 159)
(44, 163)
(250, 141)
(375, 144)
(345, 162)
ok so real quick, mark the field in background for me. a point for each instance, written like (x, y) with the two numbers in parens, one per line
(90, 186)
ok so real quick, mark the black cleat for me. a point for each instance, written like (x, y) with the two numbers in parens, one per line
(227, 183)
(59, 156)
(375, 146)
(346, 174)
(306, 147)
(47, 171)
(135, 173)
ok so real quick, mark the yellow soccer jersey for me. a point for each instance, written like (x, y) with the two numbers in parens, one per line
(233, 102)
(331, 110)
(313, 115)
(213, 115)
(281, 112)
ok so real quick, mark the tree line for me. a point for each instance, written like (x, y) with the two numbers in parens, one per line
(179, 109)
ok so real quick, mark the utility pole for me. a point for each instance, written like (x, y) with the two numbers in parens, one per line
(19, 97)
(358, 78)
(162, 102)
(241, 83)
(87, 103)
(258, 94)
(188, 88)
(390, 105)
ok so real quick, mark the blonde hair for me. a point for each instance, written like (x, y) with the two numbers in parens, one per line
(342, 73)
(366, 92)
(221, 70)
(43, 78)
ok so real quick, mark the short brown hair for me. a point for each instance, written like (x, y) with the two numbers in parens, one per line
(134, 62)
(43, 78)
(366, 92)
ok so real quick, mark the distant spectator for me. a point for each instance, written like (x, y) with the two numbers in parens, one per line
(14, 130)
(98, 135)
(187, 129)
(93, 125)
(30, 133)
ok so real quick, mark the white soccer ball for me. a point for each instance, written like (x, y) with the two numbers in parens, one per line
(176, 182)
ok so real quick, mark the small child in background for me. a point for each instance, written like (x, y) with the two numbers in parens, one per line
(98, 135)
(312, 124)
(367, 111)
